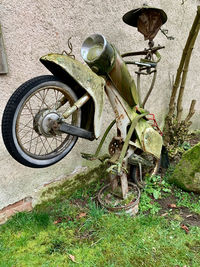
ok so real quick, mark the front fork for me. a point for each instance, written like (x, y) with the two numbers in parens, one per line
(78, 104)
(62, 126)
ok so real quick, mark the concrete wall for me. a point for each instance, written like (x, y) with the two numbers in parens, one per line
(33, 28)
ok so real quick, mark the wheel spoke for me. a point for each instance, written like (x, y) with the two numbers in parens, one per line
(43, 99)
(26, 133)
(49, 144)
(29, 108)
(36, 144)
(43, 146)
(32, 118)
(32, 133)
(34, 138)
(25, 126)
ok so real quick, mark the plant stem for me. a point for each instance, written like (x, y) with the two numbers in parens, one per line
(185, 70)
(191, 111)
(182, 62)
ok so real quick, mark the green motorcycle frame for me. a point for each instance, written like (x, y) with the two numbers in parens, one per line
(91, 88)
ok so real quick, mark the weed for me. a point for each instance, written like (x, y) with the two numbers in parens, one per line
(155, 188)
(189, 200)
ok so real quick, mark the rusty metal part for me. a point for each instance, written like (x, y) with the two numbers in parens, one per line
(115, 145)
(141, 165)
(45, 122)
(78, 104)
(120, 108)
(75, 131)
(150, 89)
(132, 17)
(135, 159)
(124, 115)
(149, 23)
(60, 103)
(85, 77)
(128, 136)
(144, 52)
(70, 49)
(127, 207)
(117, 190)
(165, 32)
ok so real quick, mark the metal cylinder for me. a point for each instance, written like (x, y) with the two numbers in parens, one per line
(98, 54)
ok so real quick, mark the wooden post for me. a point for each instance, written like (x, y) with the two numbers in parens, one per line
(124, 185)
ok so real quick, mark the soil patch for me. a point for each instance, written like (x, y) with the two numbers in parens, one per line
(170, 210)
(194, 139)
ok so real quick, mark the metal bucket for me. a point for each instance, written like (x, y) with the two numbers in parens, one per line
(131, 208)
(98, 54)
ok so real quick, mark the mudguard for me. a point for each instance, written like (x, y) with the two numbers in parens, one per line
(149, 140)
(85, 77)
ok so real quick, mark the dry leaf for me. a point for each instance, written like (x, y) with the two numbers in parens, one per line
(83, 214)
(164, 214)
(172, 206)
(184, 227)
(72, 258)
(59, 220)
(63, 219)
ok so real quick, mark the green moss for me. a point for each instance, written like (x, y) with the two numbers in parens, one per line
(63, 190)
(185, 173)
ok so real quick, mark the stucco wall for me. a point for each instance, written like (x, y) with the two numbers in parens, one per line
(33, 28)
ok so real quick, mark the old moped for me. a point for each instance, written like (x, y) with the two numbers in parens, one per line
(45, 115)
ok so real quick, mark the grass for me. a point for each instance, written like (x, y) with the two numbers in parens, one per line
(77, 232)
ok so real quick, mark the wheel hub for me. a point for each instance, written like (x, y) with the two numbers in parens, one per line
(45, 123)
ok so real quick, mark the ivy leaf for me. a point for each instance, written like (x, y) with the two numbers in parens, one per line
(156, 194)
(167, 190)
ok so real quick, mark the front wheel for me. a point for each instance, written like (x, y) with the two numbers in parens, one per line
(25, 122)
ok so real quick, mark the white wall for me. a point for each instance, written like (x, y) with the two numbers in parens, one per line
(32, 28)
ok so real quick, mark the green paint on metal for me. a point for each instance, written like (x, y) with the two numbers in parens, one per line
(152, 142)
(123, 81)
(128, 137)
(104, 137)
(87, 79)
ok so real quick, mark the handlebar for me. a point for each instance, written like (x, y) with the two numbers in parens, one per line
(144, 52)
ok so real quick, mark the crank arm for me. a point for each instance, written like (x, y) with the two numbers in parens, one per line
(76, 131)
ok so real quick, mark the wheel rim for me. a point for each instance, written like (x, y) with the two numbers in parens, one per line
(53, 99)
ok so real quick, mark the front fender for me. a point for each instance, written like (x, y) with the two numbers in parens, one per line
(85, 77)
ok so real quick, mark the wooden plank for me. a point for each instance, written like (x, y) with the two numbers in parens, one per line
(3, 59)
(124, 185)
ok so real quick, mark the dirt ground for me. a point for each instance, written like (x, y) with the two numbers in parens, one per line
(170, 210)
